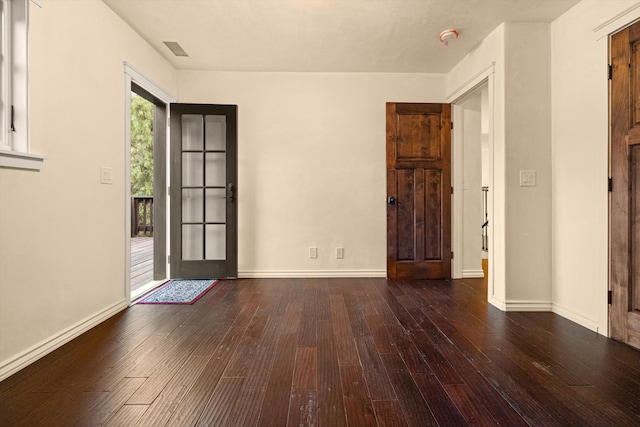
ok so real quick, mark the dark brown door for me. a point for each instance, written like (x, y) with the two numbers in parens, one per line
(203, 191)
(419, 191)
(624, 236)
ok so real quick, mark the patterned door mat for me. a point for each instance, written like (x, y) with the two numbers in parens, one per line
(179, 291)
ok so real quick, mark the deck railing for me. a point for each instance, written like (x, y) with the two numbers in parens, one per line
(141, 216)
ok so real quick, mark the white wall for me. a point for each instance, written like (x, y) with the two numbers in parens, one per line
(528, 147)
(579, 159)
(516, 56)
(62, 233)
(311, 165)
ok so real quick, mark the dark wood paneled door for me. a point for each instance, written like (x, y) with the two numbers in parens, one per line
(203, 191)
(419, 191)
(624, 235)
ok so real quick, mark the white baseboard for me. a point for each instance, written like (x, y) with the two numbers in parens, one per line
(577, 318)
(144, 289)
(472, 274)
(547, 306)
(21, 360)
(497, 303)
(526, 305)
(295, 274)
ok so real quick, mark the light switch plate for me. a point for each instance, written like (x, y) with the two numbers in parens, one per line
(527, 178)
(106, 175)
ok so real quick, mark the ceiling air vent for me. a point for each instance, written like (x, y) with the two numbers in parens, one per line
(176, 48)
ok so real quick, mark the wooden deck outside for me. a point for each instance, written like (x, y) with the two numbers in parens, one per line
(141, 261)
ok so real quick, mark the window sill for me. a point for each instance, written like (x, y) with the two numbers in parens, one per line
(12, 159)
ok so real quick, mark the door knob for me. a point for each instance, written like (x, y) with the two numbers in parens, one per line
(391, 200)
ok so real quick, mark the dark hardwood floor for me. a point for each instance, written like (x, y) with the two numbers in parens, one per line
(330, 352)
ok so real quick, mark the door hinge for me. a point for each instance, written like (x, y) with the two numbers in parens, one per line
(609, 297)
(451, 125)
(610, 184)
(168, 259)
(610, 72)
(451, 254)
(451, 190)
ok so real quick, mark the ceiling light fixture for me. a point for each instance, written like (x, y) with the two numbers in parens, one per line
(447, 35)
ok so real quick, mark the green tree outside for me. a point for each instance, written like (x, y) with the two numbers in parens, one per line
(141, 146)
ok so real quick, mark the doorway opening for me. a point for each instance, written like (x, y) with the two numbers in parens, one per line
(204, 179)
(147, 167)
(472, 176)
(141, 171)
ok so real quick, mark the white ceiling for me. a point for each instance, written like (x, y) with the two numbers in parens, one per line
(324, 35)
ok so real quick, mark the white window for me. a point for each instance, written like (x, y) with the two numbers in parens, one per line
(14, 124)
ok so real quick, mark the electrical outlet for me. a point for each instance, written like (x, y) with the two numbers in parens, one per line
(313, 252)
(339, 253)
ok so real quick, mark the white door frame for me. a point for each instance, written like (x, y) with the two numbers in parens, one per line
(132, 75)
(485, 78)
(458, 167)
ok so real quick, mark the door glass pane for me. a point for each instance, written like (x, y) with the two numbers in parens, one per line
(192, 132)
(191, 242)
(216, 132)
(191, 205)
(216, 205)
(192, 169)
(216, 241)
(216, 170)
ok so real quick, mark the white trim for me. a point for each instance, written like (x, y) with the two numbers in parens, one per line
(464, 90)
(618, 22)
(467, 87)
(575, 317)
(282, 274)
(19, 80)
(11, 366)
(146, 288)
(525, 305)
(457, 180)
(497, 303)
(132, 75)
(127, 185)
(148, 84)
(472, 274)
(6, 66)
(12, 159)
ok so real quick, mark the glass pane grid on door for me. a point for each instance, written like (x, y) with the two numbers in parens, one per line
(203, 188)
